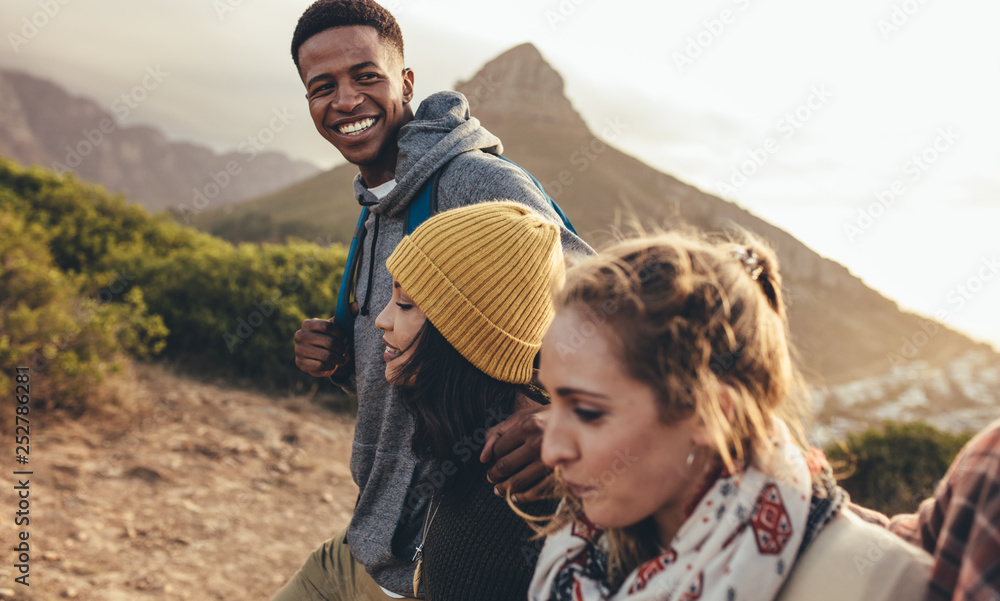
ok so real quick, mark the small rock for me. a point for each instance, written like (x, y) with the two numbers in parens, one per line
(70, 593)
(144, 473)
(72, 470)
(327, 497)
(6, 593)
(51, 556)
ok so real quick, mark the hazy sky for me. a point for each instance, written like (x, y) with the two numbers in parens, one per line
(804, 112)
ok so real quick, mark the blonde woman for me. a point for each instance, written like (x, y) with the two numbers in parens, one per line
(675, 430)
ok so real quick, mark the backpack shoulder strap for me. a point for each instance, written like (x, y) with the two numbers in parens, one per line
(552, 203)
(343, 316)
(426, 202)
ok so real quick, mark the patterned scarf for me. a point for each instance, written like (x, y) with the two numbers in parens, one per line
(739, 542)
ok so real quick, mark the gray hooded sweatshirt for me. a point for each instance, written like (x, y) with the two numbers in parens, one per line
(394, 485)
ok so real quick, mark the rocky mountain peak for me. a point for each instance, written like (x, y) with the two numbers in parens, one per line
(520, 84)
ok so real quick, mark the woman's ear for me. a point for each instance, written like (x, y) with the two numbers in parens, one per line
(727, 401)
(702, 434)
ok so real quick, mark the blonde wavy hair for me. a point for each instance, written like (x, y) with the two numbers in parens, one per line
(702, 322)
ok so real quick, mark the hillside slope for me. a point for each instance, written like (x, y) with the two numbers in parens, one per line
(40, 123)
(844, 329)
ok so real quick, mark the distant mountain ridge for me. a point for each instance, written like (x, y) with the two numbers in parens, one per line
(40, 123)
(843, 329)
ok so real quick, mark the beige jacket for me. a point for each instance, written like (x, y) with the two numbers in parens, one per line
(851, 559)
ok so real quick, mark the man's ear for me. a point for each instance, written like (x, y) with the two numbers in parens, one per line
(407, 85)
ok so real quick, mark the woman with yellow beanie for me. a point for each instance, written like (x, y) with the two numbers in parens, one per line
(470, 304)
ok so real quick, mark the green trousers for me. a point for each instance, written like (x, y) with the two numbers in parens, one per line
(331, 574)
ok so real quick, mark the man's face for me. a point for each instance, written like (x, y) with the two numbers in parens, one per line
(359, 96)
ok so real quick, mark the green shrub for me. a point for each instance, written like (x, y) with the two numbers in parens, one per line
(68, 341)
(237, 307)
(230, 308)
(893, 469)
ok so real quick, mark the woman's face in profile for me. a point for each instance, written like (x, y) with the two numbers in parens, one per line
(400, 322)
(604, 432)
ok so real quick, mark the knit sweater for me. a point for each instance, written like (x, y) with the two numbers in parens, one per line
(386, 523)
(478, 548)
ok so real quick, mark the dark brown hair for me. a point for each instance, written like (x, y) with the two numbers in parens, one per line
(324, 14)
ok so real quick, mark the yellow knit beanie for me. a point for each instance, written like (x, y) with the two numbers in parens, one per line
(483, 275)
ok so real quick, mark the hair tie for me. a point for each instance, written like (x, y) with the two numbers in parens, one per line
(751, 263)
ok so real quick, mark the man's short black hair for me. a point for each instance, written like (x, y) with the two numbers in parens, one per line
(324, 14)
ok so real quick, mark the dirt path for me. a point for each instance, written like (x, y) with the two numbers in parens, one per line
(200, 493)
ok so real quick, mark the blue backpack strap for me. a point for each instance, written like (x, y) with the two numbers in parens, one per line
(538, 185)
(418, 212)
(344, 319)
(421, 208)
(426, 202)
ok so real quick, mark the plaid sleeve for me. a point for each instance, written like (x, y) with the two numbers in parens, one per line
(960, 525)
(978, 492)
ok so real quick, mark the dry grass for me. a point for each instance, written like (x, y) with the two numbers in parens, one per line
(179, 489)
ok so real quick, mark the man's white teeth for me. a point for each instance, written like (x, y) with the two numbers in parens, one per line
(357, 126)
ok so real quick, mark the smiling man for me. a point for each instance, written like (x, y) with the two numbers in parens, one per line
(359, 95)
(349, 55)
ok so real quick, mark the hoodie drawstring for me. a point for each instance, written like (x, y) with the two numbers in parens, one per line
(371, 268)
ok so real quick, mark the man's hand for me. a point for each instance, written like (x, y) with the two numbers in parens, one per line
(322, 349)
(516, 444)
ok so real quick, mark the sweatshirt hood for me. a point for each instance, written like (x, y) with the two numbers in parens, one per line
(441, 129)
